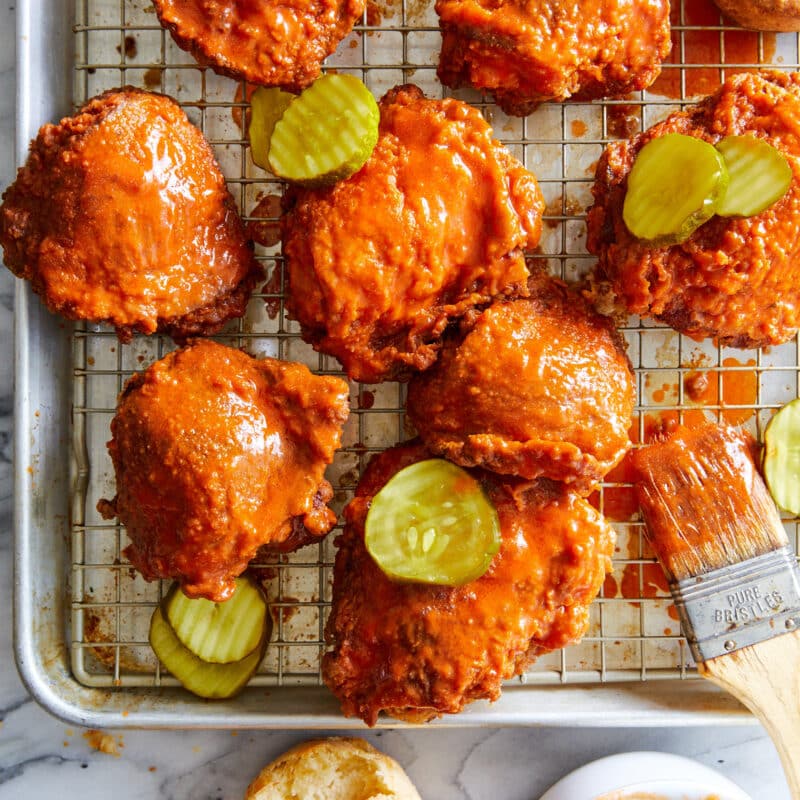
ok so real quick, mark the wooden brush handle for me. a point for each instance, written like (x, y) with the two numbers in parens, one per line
(766, 678)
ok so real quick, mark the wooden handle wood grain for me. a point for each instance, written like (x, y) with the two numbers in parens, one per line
(766, 678)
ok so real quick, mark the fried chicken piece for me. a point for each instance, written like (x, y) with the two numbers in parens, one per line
(434, 224)
(216, 454)
(121, 215)
(736, 280)
(537, 387)
(267, 42)
(417, 651)
(528, 52)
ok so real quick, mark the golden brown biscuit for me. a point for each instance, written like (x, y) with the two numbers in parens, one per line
(332, 769)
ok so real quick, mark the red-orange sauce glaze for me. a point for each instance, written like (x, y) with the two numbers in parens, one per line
(216, 454)
(121, 214)
(526, 53)
(434, 224)
(417, 651)
(700, 47)
(265, 42)
(538, 387)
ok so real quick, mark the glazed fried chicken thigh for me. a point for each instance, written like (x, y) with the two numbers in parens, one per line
(736, 280)
(216, 454)
(267, 42)
(121, 215)
(528, 51)
(433, 225)
(417, 651)
(537, 387)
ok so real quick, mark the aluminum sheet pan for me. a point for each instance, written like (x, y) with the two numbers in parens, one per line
(81, 614)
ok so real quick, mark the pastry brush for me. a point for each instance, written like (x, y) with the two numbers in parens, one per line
(735, 580)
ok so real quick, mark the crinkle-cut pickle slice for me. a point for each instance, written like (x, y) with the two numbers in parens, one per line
(219, 632)
(759, 176)
(781, 457)
(266, 107)
(327, 133)
(674, 186)
(432, 523)
(213, 681)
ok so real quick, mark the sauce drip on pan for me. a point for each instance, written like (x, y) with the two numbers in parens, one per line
(729, 47)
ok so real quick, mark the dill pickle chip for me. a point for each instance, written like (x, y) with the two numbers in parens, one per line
(781, 457)
(327, 133)
(432, 523)
(267, 106)
(219, 632)
(673, 188)
(759, 176)
(213, 681)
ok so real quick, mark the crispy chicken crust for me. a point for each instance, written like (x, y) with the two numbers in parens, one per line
(417, 651)
(528, 52)
(536, 387)
(216, 454)
(433, 225)
(265, 42)
(734, 280)
(121, 215)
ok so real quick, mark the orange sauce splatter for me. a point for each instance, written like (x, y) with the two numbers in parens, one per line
(672, 612)
(653, 581)
(707, 47)
(622, 121)
(152, 78)
(578, 127)
(667, 631)
(610, 588)
(272, 290)
(619, 502)
(668, 393)
(739, 388)
(236, 110)
(265, 229)
(366, 399)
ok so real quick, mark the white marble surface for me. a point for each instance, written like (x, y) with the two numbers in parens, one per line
(41, 757)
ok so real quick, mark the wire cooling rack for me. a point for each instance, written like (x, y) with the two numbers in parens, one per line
(634, 633)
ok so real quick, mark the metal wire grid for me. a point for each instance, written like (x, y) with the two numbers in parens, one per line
(633, 634)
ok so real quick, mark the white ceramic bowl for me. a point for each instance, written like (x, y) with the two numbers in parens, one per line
(640, 776)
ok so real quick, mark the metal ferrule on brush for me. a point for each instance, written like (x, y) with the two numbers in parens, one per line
(739, 604)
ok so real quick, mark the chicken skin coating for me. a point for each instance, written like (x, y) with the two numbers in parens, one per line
(265, 42)
(538, 387)
(434, 224)
(216, 454)
(528, 52)
(736, 280)
(121, 215)
(417, 651)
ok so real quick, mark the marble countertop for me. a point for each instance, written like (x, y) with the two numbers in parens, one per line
(42, 757)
